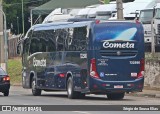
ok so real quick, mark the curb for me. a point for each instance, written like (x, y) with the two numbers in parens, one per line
(145, 95)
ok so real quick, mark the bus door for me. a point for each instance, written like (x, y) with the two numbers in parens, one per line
(52, 70)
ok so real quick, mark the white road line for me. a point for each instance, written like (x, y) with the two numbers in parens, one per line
(81, 112)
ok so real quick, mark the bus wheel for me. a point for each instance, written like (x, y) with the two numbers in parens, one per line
(115, 96)
(35, 91)
(70, 91)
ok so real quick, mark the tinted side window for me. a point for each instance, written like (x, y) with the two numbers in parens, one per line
(50, 41)
(34, 46)
(42, 41)
(77, 40)
(61, 38)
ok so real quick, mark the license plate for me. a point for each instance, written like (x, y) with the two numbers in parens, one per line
(118, 86)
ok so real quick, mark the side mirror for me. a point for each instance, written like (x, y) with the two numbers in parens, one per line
(19, 48)
(154, 12)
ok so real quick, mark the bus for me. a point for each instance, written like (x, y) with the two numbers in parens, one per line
(88, 57)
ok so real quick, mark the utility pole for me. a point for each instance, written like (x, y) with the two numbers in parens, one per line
(153, 37)
(4, 45)
(18, 25)
(119, 9)
(2, 60)
(23, 16)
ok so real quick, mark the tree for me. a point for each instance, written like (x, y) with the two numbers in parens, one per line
(13, 10)
(128, 1)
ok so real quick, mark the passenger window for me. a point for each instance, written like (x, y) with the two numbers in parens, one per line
(42, 41)
(61, 37)
(50, 47)
(34, 47)
(79, 39)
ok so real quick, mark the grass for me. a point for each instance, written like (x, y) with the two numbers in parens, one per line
(15, 70)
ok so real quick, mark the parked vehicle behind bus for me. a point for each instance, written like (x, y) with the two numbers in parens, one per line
(146, 17)
(84, 58)
(105, 11)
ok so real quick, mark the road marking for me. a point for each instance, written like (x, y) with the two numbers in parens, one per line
(81, 112)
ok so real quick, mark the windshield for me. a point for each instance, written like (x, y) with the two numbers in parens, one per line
(157, 16)
(81, 16)
(103, 17)
(146, 16)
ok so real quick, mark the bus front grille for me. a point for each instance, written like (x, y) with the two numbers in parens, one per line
(118, 53)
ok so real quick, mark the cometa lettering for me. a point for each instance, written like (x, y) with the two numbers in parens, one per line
(118, 45)
(41, 63)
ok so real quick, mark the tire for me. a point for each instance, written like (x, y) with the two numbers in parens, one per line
(6, 93)
(70, 91)
(115, 96)
(35, 91)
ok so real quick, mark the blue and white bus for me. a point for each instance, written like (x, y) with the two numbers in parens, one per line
(84, 58)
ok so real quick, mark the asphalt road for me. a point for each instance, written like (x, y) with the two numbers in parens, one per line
(20, 96)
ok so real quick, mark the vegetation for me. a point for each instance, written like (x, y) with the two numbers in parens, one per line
(124, 0)
(155, 57)
(128, 0)
(13, 11)
(15, 70)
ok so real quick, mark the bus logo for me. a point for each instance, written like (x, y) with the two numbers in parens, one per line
(119, 53)
(107, 44)
(41, 63)
(102, 74)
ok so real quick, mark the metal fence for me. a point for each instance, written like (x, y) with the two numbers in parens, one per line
(12, 46)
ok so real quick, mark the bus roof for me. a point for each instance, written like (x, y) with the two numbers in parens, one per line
(59, 25)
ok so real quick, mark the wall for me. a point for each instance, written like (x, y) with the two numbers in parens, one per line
(12, 46)
(152, 72)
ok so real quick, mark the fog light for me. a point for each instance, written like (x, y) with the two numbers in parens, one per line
(106, 85)
(95, 86)
(130, 85)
